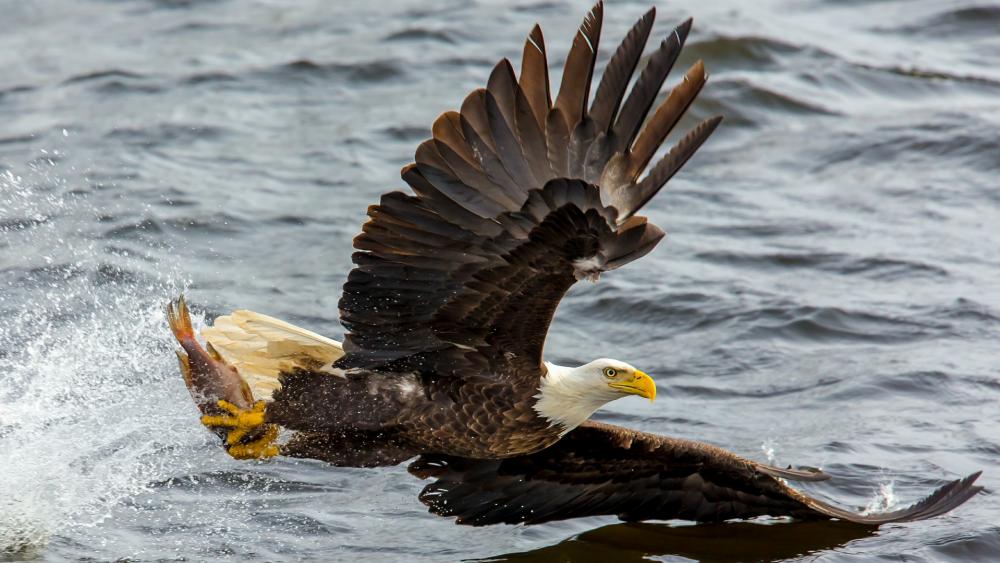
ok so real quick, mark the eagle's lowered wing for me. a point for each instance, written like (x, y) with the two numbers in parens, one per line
(600, 469)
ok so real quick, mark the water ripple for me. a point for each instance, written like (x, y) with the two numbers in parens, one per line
(835, 324)
(874, 267)
(966, 20)
(417, 34)
(828, 284)
(306, 69)
(163, 134)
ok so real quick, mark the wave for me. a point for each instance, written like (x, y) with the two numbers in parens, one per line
(365, 71)
(883, 268)
(160, 134)
(745, 102)
(750, 52)
(686, 313)
(73, 353)
(966, 20)
(418, 34)
(958, 136)
(117, 81)
(113, 73)
(834, 324)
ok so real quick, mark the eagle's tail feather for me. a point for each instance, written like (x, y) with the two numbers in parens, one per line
(261, 348)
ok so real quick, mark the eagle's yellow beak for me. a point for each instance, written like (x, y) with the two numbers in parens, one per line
(640, 384)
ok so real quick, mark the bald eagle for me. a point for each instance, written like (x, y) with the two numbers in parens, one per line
(514, 199)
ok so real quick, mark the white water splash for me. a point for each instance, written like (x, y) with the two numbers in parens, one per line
(767, 447)
(89, 412)
(884, 500)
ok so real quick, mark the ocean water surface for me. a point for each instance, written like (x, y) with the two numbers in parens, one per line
(827, 294)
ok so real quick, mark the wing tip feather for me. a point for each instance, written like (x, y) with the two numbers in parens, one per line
(942, 500)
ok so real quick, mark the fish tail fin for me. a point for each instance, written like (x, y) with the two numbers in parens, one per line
(179, 319)
(180, 326)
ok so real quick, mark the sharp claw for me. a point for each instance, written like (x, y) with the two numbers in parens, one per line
(250, 452)
(271, 433)
(261, 448)
(236, 435)
(210, 421)
(231, 408)
(240, 417)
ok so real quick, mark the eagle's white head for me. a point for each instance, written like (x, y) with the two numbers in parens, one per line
(568, 396)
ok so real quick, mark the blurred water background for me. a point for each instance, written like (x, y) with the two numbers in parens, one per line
(827, 295)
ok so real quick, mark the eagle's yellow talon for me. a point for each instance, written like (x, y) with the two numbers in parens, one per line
(261, 448)
(243, 422)
(240, 418)
(235, 435)
(211, 421)
(231, 408)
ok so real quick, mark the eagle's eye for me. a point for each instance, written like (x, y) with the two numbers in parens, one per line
(610, 372)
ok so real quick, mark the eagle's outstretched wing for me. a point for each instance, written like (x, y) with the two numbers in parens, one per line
(600, 469)
(516, 198)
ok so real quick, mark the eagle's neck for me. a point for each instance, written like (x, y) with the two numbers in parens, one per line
(564, 400)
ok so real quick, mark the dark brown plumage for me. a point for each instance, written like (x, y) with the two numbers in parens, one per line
(515, 198)
(600, 469)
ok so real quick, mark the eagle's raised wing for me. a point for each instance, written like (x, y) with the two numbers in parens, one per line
(600, 469)
(516, 198)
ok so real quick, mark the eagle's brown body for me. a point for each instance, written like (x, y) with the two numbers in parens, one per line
(514, 199)
(407, 415)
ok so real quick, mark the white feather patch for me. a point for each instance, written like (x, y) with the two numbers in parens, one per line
(589, 267)
(261, 347)
(566, 399)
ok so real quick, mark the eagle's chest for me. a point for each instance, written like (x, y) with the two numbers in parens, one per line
(481, 421)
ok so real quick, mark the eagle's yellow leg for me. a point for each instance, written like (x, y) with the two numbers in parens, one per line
(242, 422)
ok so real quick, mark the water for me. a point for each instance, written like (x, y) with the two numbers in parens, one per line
(827, 293)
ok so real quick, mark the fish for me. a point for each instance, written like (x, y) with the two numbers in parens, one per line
(215, 386)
